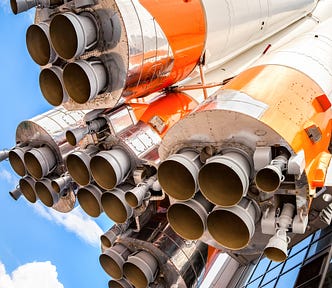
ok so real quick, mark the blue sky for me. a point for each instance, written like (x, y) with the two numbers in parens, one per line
(39, 247)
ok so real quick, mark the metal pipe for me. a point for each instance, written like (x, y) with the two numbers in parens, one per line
(16, 193)
(4, 154)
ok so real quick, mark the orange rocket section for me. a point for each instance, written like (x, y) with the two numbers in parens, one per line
(164, 112)
(184, 24)
(298, 110)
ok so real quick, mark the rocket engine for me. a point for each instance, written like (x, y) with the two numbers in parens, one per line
(156, 128)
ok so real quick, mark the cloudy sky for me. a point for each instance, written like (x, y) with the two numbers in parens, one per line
(39, 247)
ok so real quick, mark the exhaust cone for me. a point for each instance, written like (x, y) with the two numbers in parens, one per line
(4, 154)
(115, 205)
(276, 249)
(38, 44)
(122, 283)
(135, 196)
(112, 260)
(40, 161)
(16, 194)
(84, 80)
(61, 183)
(140, 269)
(183, 170)
(16, 159)
(233, 227)
(188, 219)
(270, 177)
(89, 198)
(19, 6)
(224, 180)
(109, 168)
(78, 165)
(76, 135)
(51, 85)
(27, 186)
(72, 34)
(108, 238)
(46, 193)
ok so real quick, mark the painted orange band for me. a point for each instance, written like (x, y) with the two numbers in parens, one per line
(183, 22)
(169, 108)
(297, 105)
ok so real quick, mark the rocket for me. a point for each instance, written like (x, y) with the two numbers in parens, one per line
(195, 126)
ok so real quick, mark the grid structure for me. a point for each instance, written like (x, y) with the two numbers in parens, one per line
(307, 263)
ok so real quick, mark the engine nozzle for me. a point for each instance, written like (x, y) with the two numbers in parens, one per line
(188, 218)
(224, 179)
(39, 45)
(78, 165)
(27, 186)
(72, 34)
(16, 159)
(16, 193)
(122, 283)
(140, 269)
(51, 85)
(84, 80)
(46, 193)
(233, 227)
(115, 205)
(40, 161)
(183, 169)
(89, 198)
(113, 259)
(109, 168)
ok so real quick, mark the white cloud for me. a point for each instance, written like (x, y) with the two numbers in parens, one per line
(31, 275)
(75, 221)
(10, 178)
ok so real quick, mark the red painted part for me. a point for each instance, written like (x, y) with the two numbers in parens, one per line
(184, 24)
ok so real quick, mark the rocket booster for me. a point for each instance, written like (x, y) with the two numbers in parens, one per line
(242, 172)
(100, 55)
(259, 145)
